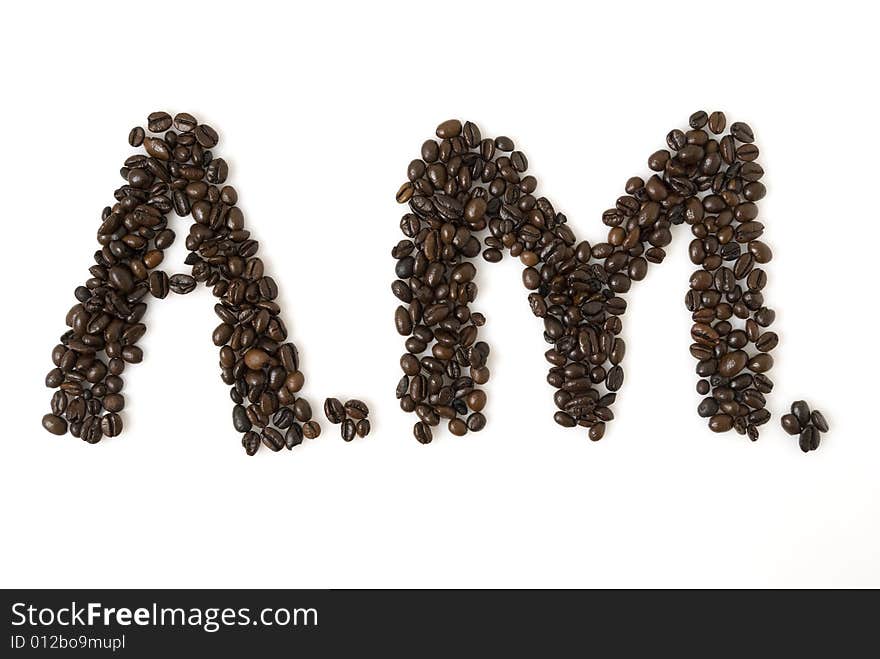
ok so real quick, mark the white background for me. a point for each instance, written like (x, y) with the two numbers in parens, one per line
(320, 108)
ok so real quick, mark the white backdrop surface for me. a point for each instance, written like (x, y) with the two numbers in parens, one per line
(319, 108)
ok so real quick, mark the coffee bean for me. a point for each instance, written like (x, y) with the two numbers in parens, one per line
(136, 136)
(732, 363)
(356, 409)
(698, 119)
(449, 128)
(614, 379)
(818, 420)
(708, 407)
(185, 122)
(464, 186)
(294, 381)
(311, 429)
(476, 422)
(159, 285)
(717, 122)
(180, 174)
(403, 321)
(809, 439)
(720, 423)
(158, 122)
(54, 424)
(302, 410)
(742, 132)
(790, 424)
(760, 363)
(293, 436)
(114, 402)
(767, 341)
(457, 427)
(801, 412)
(272, 439)
(348, 430)
(466, 195)
(240, 419)
(334, 410)
(422, 433)
(504, 143)
(205, 136)
(157, 148)
(111, 424)
(362, 427)
(564, 420)
(251, 442)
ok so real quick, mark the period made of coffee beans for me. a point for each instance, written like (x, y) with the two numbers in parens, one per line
(351, 416)
(178, 172)
(806, 424)
(470, 196)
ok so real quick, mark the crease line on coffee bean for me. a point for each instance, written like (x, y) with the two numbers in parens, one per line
(464, 187)
(178, 172)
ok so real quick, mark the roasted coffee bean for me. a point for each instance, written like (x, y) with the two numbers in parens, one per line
(348, 430)
(760, 363)
(732, 363)
(311, 429)
(790, 424)
(114, 402)
(576, 288)
(707, 407)
(356, 409)
(809, 439)
(698, 119)
(240, 419)
(717, 122)
(181, 284)
(302, 410)
(334, 410)
(251, 442)
(818, 420)
(362, 427)
(293, 436)
(180, 174)
(272, 439)
(111, 425)
(422, 433)
(742, 132)
(564, 420)
(205, 136)
(457, 427)
(720, 423)
(476, 422)
(54, 424)
(801, 412)
(283, 418)
(136, 136)
(158, 122)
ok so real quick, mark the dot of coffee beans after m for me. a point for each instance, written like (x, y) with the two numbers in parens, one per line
(461, 186)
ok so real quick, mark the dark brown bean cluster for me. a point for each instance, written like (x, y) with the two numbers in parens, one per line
(351, 416)
(464, 185)
(808, 425)
(178, 172)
